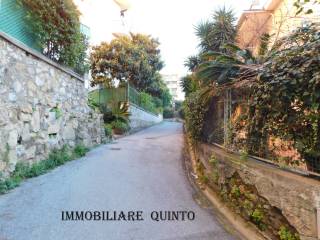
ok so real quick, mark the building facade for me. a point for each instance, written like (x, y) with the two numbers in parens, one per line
(276, 17)
(173, 83)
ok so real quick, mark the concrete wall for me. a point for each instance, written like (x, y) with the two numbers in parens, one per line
(140, 118)
(285, 198)
(42, 106)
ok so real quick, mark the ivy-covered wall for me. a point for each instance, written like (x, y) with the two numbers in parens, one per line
(281, 204)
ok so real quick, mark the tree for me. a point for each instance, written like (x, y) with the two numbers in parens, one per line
(57, 27)
(192, 63)
(214, 34)
(221, 67)
(133, 58)
(188, 84)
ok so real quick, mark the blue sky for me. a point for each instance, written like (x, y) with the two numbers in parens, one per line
(171, 21)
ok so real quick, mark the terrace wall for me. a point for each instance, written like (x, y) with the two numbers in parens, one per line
(42, 106)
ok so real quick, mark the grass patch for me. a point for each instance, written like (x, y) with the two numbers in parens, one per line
(56, 158)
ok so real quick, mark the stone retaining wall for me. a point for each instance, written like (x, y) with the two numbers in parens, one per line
(139, 118)
(286, 198)
(42, 106)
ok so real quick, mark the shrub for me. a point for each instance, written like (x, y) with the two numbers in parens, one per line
(285, 101)
(108, 130)
(120, 127)
(257, 218)
(235, 191)
(57, 27)
(195, 109)
(168, 113)
(80, 151)
(285, 234)
(243, 155)
(3, 187)
(147, 102)
(21, 169)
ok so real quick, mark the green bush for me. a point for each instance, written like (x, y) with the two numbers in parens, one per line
(57, 28)
(80, 151)
(257, 217)
(235, 191)
(285, 99)
(147, 102)
(168, 113)
(195, 108)
(285, 234)
(120, 127)
(108, 130)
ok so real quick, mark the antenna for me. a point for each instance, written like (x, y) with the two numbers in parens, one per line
(124, 6)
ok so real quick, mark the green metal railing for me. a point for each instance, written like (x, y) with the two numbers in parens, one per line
(108, 96)
(13, 23)
(134, 96)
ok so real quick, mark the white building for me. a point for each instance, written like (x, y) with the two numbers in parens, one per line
(173, 83)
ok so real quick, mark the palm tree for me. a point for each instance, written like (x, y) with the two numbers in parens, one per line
(220, 67)
(221, 30)
(192, 62)
(189, 84)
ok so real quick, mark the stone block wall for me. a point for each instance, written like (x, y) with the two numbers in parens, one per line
(42, 106)
(285, 198)
(139, 118)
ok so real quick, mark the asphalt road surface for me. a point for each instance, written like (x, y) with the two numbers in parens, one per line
(142, 172)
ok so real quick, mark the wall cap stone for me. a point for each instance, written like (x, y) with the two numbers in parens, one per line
(136, 106)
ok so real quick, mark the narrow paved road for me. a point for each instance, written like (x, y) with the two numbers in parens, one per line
(143, 171)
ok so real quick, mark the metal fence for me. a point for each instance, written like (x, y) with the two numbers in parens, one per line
(13, 23)
(225, 127)
(108, 96)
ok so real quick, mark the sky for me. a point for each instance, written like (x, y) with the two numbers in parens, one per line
(170, 21)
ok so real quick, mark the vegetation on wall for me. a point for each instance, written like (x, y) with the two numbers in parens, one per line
(194, 111)
(244, 198)
(149, 103)
(24, 170)
(286, 100)
(284, 97)
(57, 27)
